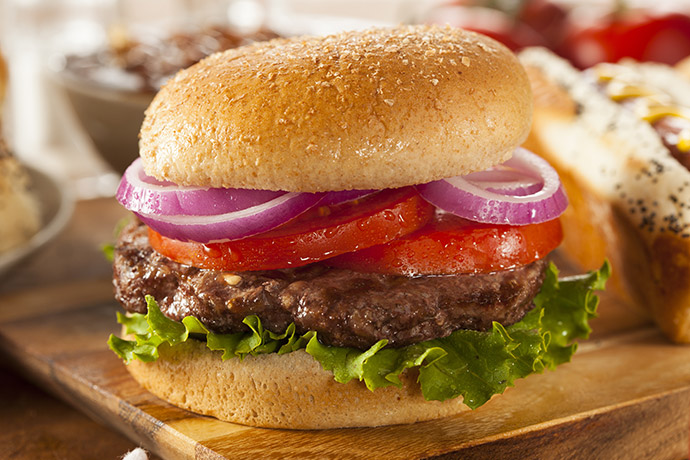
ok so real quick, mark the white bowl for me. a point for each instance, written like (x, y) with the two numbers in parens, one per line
(57, 205)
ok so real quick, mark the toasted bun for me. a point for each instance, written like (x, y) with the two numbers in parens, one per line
(359, 110)
(279, 391)
(628, 195)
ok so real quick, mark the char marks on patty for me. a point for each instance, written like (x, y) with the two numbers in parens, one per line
(345, 308)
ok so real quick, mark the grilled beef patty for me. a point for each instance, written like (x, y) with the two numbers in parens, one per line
(345, 308)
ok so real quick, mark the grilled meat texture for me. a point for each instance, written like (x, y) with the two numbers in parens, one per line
(346, 308)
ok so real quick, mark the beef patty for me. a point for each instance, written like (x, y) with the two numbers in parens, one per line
(345, 308)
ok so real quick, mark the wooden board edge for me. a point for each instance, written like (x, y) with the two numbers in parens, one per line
(660, 429)
(96, 403)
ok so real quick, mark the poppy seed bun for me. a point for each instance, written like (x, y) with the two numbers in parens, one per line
(279, 391)
(628, 195)
(360, 110)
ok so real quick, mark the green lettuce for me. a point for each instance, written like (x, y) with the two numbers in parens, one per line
(474, 365)
(108, 249)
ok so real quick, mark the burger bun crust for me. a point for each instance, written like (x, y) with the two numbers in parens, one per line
(280, 391)
(377, 109)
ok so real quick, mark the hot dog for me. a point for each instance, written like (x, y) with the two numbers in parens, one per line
(619, 135)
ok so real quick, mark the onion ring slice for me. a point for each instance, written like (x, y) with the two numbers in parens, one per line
(233, 225)
(207, 215)
(143, 194)
(472, 198)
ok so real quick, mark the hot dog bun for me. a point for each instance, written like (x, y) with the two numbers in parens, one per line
(628, 195)
(683, 67)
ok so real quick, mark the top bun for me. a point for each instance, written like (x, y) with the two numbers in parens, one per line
(376, 109)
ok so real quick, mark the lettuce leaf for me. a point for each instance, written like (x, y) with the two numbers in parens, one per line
(108, 249)
(474, 365)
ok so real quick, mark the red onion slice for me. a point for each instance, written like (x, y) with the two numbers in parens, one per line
(233, 225)
(479, 200)
(207, 215)
(506, 181)
(144, 194)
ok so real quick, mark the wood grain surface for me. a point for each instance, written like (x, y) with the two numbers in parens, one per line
(625, 395)
(34, 425)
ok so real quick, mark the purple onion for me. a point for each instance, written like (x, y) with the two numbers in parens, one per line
(146, 195)
(475, 196)
(207, 215)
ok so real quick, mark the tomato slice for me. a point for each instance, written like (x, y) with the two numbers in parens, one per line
(318, 234)
(452, 245)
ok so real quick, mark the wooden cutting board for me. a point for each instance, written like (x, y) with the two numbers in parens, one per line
(625, 395)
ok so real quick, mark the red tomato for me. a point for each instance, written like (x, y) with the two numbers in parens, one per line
(644, 37)
(451, 245)
(316, 235)
(488, 21)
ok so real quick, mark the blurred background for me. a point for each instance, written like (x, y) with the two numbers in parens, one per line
(82, 72)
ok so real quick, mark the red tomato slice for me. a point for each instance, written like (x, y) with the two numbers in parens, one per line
(452, 245)
(316, 235)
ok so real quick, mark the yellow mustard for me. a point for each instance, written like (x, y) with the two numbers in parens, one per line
(684, 141)
(655, 105)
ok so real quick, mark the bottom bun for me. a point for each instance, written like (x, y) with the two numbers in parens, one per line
(280, 391)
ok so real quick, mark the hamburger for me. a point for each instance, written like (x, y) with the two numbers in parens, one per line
(342, 231)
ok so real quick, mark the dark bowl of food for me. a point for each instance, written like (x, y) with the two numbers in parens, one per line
(110, 88)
